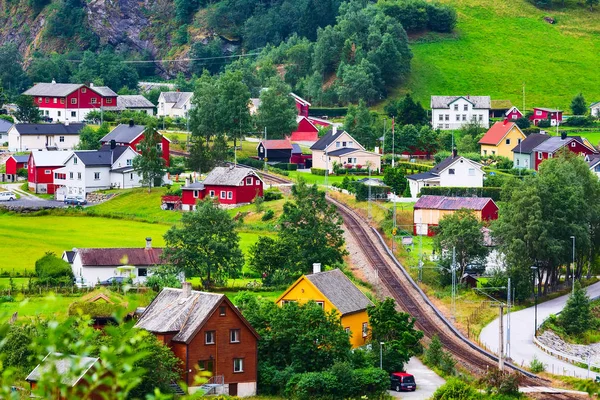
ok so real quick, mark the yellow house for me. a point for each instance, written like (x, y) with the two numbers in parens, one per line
(501, 139)
(332, 290)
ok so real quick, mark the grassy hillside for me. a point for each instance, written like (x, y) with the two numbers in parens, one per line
(498, 45)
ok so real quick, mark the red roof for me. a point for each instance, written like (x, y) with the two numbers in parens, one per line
(452, 203)
(497, 132)
(277, 144)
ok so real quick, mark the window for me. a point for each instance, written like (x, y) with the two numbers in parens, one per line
(249, 180)
(447, 117)
(343, 144)
(47, 172)
(131, 176)
(347, 329)
(40, 99)
(441, 117)
(73, 114)
(481, 117)
(518, 141)
(572, 144)
(94, 100)
(73, 100)
(518, 163)
(337, 145)
(507, 141)
(79, 175)
(47, 99)
(205, 365)
(234, 335)
(83, 90)
(47, 112)
(320, 304)
(550, 155)
(365, 329)
(56, 175)
(260, 149)
(458, 117)
(55, 100)
(212, 193)
(195, 194)
(485, 152)
(451, 171)
(222, 311)
(209, 337)
(350, 144)
(70, 175)
(257, 182)
(466, 108)
(447, 126)
(238, 365)
(464, 117)
(142, 271)
(109, 100)
(229, 195)
(539, 155)
(62, 101)
(75, 160)
(538, 112)
(222, 195)
(129, 162)
(159, 146)
(97, 176)
(493, 152)
(456, 107)
(58, 113)
(471, 171)
(61, 139)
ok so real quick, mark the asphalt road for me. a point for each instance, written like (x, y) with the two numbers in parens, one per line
(521, 337)
(27, 200)
(427, 381)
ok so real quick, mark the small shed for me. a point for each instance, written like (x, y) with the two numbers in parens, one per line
(275, 150)
(470, 280)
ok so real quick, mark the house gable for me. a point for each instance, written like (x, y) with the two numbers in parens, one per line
(343, 137)
(302, 291)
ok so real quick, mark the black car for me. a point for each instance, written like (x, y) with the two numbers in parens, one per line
(113, 280)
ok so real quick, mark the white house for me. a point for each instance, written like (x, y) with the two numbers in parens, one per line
(454, 171)
(593, 161)
(135, 102)
(595, 109)
(87, 171)
(26, 137)
(4, 128)
(174, 104)
(98, 264)
(341, 148)
(452, 112)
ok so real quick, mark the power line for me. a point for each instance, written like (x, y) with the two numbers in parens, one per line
(179, 59)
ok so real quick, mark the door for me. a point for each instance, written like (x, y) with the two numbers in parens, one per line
(233, 389)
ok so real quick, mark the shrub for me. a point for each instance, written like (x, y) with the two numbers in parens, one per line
(287, 166)
(433, 354)
(158, 281)
(53, 270)
(251, 162)
(377, 192)
(318, 171)
(500, 382)
(455, 389)
(545, 123)
(328, 111)
(315, 385)
(269, 214)
(22, 172)
(579, 121)
(537, 366)
(272, 194)
(529, 131)
(175, 170)
(7, 299)
(523, 122)
(441, 18)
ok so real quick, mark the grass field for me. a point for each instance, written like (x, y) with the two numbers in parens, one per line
(499, 45)
(320, 180)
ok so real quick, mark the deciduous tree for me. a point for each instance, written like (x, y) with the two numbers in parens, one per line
(578, 104)
(27, 111)
(277, 112)
(150, 164)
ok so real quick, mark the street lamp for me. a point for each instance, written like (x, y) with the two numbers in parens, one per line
(381, 355)
(573, 264)
(535, 268)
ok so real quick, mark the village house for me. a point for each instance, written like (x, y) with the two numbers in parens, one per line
(209, 335)
(553, 115)
(174, 104)
(134, 102)
(499, 108)
(70, 102)
(299, 158)
(276, 151)
(40, 169)
(513, 114)
(454, 171)
(595, 109)
(88, 171)
(28, 137)
(229, 185)
(341, 148)
(593, 161)
(429, 210)
(4, 128)
(131, 135)
(523, 154)
(306, 131)
(73, 371)
(500, 139)
(93, 265)
(553, 144)
(333, 291)
(452, 112)
(14, 164)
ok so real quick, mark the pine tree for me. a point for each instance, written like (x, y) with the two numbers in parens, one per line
(576, 316)
(434, 353)
(578, 105)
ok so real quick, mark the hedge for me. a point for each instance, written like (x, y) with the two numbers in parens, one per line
(377, 192)
(495, 193)
(287, 166)
(252, 162)
(318, 171)
(328, 111)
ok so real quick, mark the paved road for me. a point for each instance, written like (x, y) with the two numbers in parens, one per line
(522, 347)
(27, 199)
(427, 381)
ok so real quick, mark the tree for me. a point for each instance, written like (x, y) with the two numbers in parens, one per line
(523, 122)
(204, 117)
(461, 231)
(592, 3)
(406, 111)
(234, 98)
(358, 124)
(89, 137)
(150, 164)
(12, 76)
(205, 244)
(395, 179)
(53, 270)
(311, 229)
(578, 105)
(576, 317)
(27, 111)
(277, 112)
(269, 257)
(396, 330)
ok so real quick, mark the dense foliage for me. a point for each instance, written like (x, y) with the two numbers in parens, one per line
(53, 270)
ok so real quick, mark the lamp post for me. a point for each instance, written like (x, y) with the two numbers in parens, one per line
(381, 355)
(573, 264)
(535, 268)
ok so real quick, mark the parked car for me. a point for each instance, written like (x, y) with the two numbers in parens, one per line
(7, 196)
(75, 200)
(80, 282)
(402, 381)
(113, 280)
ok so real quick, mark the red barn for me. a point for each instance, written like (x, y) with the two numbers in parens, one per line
(131, 135)
(549, 147)
(40, 169)
(15, 163)
(513, 114)
(555, 116)
(302, 105)
(306, 131)
(230, 185)
(70, 101)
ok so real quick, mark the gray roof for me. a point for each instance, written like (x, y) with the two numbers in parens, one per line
(341, 152)
(530, 142)
(69, 368)
(21, 159)
(53, 89)
(547, 109)
(481, 102)
(70, 256)
(117, 151)
(227, 176)
(5, 125)
(422, 175)
(593, 160)
(326, 140)
(170, 311)
(105, 156)
(296, 149)
(124, 133)
(340, 291)
(103, 91)
(134, 101)
(179, 98)
(556, 142)
(194, 186)
(49, 129)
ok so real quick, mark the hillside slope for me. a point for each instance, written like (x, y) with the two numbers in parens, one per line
(499, 45)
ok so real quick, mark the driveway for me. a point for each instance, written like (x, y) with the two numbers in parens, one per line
(27, 200)
(427, 381)
(522, 348)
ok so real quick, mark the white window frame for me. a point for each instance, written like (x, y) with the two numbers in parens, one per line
(365, 329)
(249, 181)
(79, 176)
(223, 194)
(441, 117)
(540, 157)
(538, 112)
(96, 176)
(466, 107)
(238, 365)
(61, 139)
(94, 100)
(73, 114)
(47, 172)
(456, 107)
(211, 193)
(209, 337)
(73, 100)
(507, 141)
(451, 171)
(234, 335)
(195, 194)
(230, 195)
(471, 171)
(320, 304)
(70, 175)
(129, 162)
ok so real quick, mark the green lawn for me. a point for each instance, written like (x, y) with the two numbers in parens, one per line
(499, 45)
(320, 180)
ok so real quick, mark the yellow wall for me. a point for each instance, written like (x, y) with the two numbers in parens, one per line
(303, 290)
(503, 149)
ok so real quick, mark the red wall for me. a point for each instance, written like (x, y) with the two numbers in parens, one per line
(578, 149)
(305, 132)
(84, 100)
(514, 115)
(165, 147)
(37, 175)
(240, 194)
(536, 118)
(489, 212)
(302, 109)
(187, 197)
(12, 166)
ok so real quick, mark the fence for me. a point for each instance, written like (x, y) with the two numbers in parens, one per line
(474, 318)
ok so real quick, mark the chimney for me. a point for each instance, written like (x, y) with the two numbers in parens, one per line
(148, 243)
(454, 152)
(53, 82)
(316, 268)
(186, 289)
(563, 135)
(66, 123)
(131, 123)
(334, 130)
(187, 182)
(113, 144)
(91, 84)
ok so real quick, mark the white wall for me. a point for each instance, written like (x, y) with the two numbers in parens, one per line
(449, 116)
(465, 175)
(93, 275)
(18, 142)
(3, 137)
(67, 114)
(522, 161)
(246, 389)
(596, 111)
(125, 180)
(416, 186)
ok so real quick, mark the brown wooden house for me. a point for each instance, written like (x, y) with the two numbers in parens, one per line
(209, 335)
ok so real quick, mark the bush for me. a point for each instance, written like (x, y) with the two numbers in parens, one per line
(159, 280)
(53, 270)
(433, 354)
(529, 131)
(175, 170)
(523, 122)
(579, 121)
(7, 299)
(269, 214)
(251, 162)
(377, 192)
(22, 172)
(495, 193)
(455, 389)
(537, 366)
(545, 123)
(313, 385)
(287, 166)
(328, 111)
(272, 194)
(318, 171)
(441, 18)
(500, 382)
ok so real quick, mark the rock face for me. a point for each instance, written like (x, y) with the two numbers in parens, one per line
(581, 351)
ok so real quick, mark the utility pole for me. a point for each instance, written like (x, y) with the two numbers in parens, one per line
(420, 254)
(573, 264)
(393, 140)
(501, 339)
(394, 229)
(326, 170)
(508, 299)
(523, 98)
(265, 146)
(454, 283)
(383, 143)
(369, 187)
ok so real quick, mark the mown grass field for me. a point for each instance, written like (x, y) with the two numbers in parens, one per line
(499, 45)
(320, 180)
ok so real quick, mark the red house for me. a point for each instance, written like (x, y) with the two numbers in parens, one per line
(549, 147)
(302, 105)
(513, 114)
(306, 131)
(555, 116)
(209, 335)
(70, 101)
(230, 185)
(15, 163)
(131, 135)
(40, 169)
